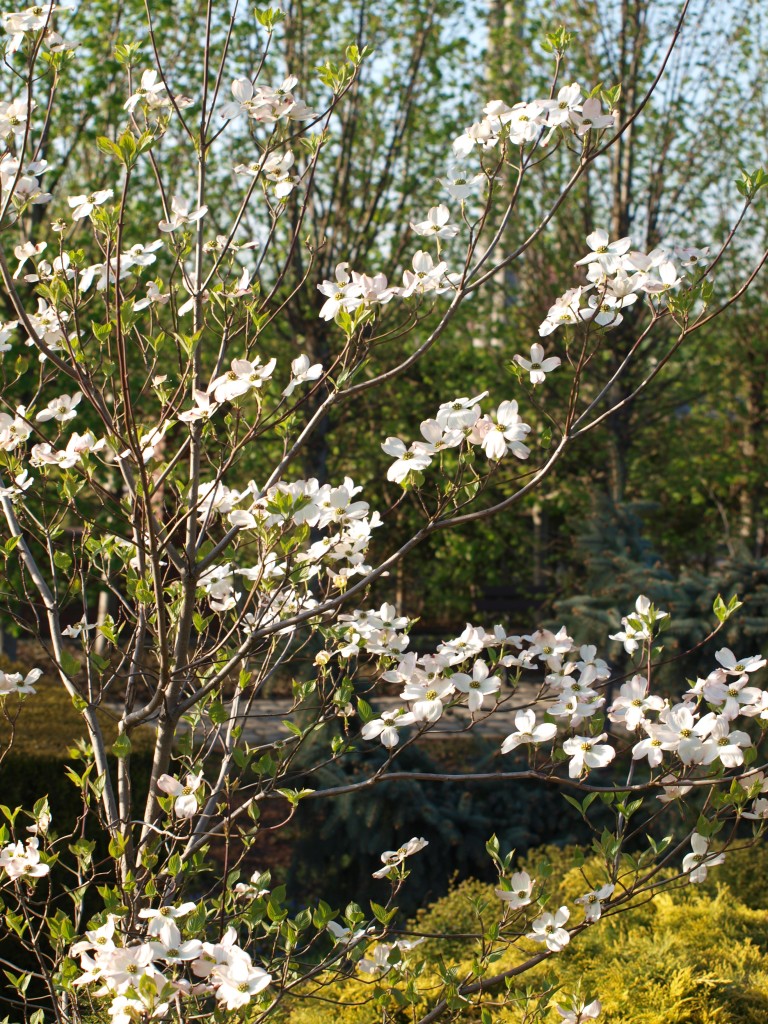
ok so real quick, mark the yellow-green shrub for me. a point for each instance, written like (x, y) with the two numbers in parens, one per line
(695, 955)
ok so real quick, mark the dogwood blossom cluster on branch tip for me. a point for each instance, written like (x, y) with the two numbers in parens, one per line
(392, 859)
(573, 679)
(117, 268)
(455, 424)
(430, 681)
(680, 729)
(340, 553)
(616, 277)
(19, 861)
(35, 19)
(351, 290)
(244, 376)
(538, 120)
(265, 104)
(222, 969)
(15, 682)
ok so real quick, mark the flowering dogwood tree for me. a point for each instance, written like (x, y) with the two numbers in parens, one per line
(143, 384)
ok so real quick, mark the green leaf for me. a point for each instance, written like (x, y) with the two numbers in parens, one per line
(121, 748)
(381, 914)
(492, 847)
(71, 666)
(108, 147)
(724, 611)
(217, 712)
(117, 845)
(294, 796)
(365, 710)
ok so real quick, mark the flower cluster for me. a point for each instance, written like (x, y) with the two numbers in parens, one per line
(616, 277)
(15, 682)
(572, 677)
(517, 893)
(352, 291)
(265, 104)
(19, 861)
(244, 377)
(571, 691)
(457, 423)
(681, 729)
(392, 859)
(430, 682)
(280, 510)
(525, 123)
(18, 24)
(220, 968)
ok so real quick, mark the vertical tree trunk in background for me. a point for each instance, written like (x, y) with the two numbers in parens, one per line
(630, 43)
(315, 456)
(752, 445)
(505, 75)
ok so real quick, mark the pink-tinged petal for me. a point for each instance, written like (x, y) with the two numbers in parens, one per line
(169, 785)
